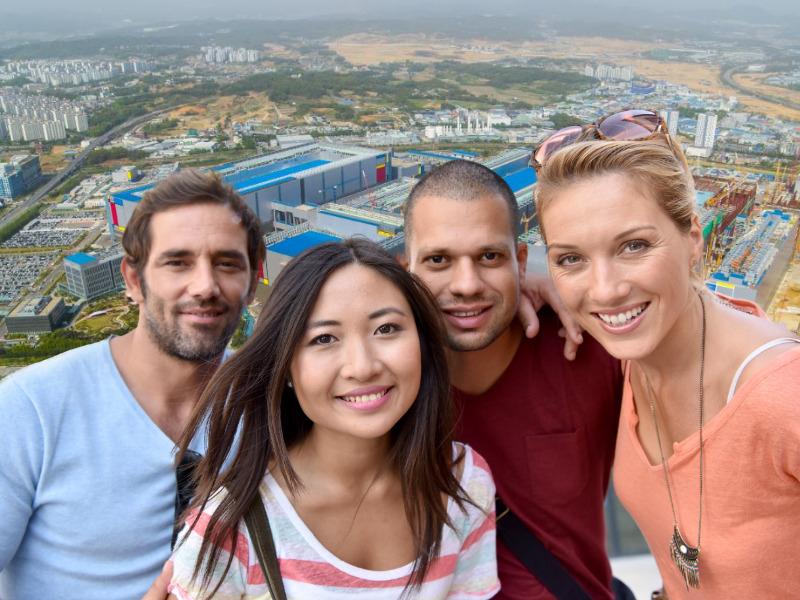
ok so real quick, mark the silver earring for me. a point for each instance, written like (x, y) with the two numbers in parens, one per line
(289, 383)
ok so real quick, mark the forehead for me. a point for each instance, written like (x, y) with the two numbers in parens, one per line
(354, 291)
(601, 206)
(440, 222)
(196, 228)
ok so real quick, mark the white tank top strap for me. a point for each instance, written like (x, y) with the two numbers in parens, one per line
(751, 356)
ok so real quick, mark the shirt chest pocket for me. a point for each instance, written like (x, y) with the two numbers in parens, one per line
(558, 465)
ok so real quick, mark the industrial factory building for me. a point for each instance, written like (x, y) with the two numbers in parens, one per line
(283, 187)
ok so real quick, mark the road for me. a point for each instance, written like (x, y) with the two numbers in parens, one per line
(727, 78)
(76, 163)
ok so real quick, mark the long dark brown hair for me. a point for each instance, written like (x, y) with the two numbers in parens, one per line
(252, 417)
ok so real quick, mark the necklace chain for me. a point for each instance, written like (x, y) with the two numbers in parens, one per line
(687, 564)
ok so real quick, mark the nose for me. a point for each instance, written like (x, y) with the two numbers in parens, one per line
(359, 361)
(608, 284)
(203, 282)
(466, 278)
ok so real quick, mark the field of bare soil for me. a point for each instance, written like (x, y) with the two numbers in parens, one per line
(785, 306)
(370, 49)
(238, 108)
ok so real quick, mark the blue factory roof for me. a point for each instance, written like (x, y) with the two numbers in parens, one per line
(80, 258)
(465, 153)
(276, 177)
(359, 219)
(131, 195)
(430, 154)
(510, 168)
(295, 245)
(521, 179)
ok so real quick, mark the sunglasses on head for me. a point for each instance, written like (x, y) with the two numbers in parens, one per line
(632, 125)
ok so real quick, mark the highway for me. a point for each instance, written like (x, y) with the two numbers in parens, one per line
(76, 163)
(726, 77)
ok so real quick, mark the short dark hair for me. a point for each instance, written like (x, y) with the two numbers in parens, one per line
(183, 188)
(462, 180)
(253, 417)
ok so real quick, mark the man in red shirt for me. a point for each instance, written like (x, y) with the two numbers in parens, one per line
(546, 425)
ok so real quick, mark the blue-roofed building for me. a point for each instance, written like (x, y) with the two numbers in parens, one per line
(283, 247)
(520, 180)
(281, 186)
(95, 274)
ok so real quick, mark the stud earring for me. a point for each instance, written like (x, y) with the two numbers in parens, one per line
(289, 383)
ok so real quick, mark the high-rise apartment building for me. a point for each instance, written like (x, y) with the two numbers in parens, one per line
(706, 132)
(671, 117)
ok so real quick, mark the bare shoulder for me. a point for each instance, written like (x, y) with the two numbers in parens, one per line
(743, 334)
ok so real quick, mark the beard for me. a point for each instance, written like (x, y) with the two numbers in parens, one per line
(190, 342)
(470, 341)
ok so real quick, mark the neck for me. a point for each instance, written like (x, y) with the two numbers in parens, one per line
(476, 371)
(347, 462)
(677, 357)
(166, 387)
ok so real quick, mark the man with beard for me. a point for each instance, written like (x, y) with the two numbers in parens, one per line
(87, 480)
(546, 426)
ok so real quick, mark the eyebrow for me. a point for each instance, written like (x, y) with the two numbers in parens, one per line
(620, 236)
(480, 250)
(181, 253)
(386, 311)
(375, 315)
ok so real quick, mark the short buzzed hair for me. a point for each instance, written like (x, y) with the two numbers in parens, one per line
(462, 180)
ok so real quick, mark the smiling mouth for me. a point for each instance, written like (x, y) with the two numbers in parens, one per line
(365, 397)
(466, 313)
(623, 318)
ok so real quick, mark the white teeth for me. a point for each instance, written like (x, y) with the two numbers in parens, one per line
(622, 318)
(365, 398)
(471, 313)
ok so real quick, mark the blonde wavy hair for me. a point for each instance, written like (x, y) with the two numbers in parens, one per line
(659, 170)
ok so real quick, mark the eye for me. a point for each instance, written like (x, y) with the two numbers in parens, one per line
(437, 259)
(635, 246)
(387, 328)
(326, 339)
(229, 264)
(491, 256)
(567, 260)
(175, 263)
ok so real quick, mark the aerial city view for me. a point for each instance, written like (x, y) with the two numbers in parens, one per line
(323, 120)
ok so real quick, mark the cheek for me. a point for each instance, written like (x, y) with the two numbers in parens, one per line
(569, 287)
(407, 359)
(435, 282)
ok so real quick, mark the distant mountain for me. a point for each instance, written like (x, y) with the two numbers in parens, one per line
(85, 33)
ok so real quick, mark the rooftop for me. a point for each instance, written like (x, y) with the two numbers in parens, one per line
(293, 246)
(80, 258)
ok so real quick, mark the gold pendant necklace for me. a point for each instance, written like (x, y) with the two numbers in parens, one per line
(685, 557)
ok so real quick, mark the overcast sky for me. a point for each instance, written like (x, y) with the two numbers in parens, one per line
(311, 8)
(109, 13)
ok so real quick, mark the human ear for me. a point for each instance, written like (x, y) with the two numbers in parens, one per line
(522, 260)
(133, 283)
(698, 241)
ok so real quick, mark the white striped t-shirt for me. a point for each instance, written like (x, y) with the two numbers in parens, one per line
(466, 567)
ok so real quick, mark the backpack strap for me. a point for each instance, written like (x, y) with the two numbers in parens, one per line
(524, 544)
(264, 547)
